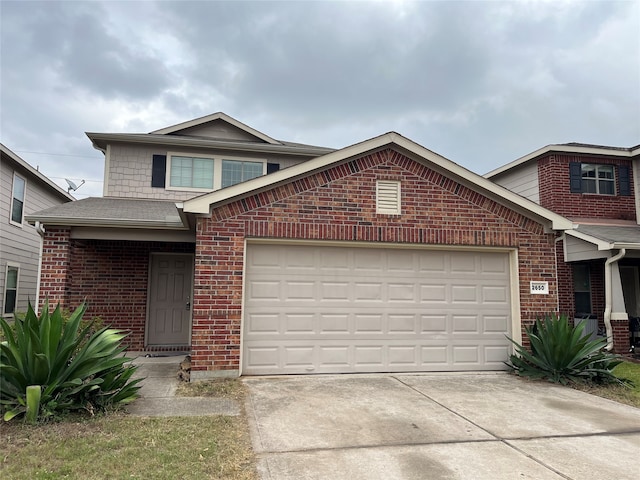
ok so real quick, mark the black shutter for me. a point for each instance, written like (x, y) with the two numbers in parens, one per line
(575, 177)
(158, 171)
(272, 167)
(624, 181)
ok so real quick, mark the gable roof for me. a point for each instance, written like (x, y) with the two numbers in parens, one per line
(573, 147)
(43, 179)
(173, 129)
(608, 237)
(171, 136)
(203, 203)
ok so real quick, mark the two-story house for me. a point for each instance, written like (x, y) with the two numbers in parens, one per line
(261, 256)
(597, 188)
(24, 190)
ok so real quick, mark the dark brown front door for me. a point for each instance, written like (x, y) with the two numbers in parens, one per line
(170, 300)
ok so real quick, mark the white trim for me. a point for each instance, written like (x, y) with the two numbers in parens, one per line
(210, 118)
(13, 197)
(612, 152)
(4, 293)
(203, 203)
(107, 167)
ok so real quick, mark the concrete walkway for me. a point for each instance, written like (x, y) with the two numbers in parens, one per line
(491, 426)
(157, 395)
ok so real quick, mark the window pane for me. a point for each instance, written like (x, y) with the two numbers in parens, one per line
(588, 186)
(251, 170)
(236, 171)
(16, 211)
(588, 171)
(191, 172)
(12, 277)
(10, 301)
(18, 188)
(605, 171)
(606, 187)
(583, 302)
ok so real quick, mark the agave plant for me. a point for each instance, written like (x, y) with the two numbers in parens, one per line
(561, 353)
(72, 367)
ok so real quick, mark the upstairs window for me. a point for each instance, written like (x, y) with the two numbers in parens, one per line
(598, 179)
(191, 172)
(17, 199)
(235, 171)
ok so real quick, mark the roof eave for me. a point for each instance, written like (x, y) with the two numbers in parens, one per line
(100, 141)
(560, 149)
(105, 222)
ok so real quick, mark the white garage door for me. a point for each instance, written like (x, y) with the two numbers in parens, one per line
(315, 309)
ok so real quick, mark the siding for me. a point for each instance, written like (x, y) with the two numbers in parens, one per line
(523, 181)
(21, 245)
(128, 170)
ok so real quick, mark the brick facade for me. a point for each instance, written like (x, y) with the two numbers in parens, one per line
(553, 177)
(111, 275)
(339, 204)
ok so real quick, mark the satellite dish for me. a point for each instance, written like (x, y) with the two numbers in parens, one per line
(72, 185)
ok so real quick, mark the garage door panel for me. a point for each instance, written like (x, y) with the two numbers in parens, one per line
(333, 310)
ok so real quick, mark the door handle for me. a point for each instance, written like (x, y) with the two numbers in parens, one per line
(188, 305)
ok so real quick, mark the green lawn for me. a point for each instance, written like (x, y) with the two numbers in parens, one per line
(622, 394)
(119, 446)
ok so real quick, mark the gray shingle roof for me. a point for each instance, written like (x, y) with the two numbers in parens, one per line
(613, 233)
(112, 212)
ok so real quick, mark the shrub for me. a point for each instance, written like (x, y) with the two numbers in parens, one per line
(561, 353)
(75, 367)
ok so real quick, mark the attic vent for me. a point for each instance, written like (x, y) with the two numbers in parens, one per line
(388, 197)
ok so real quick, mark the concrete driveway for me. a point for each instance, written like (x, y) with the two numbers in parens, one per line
(482, 426)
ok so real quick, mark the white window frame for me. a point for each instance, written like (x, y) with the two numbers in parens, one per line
(15, 266)
(217, 169)
(597, 179)
(13, 197)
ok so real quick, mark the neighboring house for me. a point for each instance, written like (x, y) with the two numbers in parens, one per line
(379, 257)
(24, 190)
(599, 261)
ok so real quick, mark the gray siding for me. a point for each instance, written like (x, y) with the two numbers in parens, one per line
(219, 129)
(128, 170)
(21, 245)
(522, 180)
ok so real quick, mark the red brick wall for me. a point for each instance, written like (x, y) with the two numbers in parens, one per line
(339, 204)
(553, 177)
(111, 275)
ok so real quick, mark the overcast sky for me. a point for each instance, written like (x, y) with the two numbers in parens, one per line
(481, 83)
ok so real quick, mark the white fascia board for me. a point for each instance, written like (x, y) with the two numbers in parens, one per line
(561, 149)
(177, 141)
(102, 222)
(36, 173)
(216, 116)
(203, 203)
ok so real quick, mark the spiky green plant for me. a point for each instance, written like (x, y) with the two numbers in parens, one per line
(561, 353)
(74, 369)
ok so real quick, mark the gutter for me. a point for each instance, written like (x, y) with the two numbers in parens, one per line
(608, 294)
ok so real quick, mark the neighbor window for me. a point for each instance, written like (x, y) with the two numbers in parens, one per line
(10, 289)
(235, 171)
(598, 179)
(17, 199)
(582, 289)
(191, 172)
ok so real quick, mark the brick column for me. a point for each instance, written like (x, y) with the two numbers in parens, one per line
(55, 277)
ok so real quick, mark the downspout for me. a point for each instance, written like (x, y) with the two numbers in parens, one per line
(40, 230)
(608, 294)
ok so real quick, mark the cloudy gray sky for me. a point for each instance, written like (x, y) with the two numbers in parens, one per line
(481, 83)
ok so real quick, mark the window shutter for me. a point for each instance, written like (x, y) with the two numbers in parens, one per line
(624, 181)
(272, 167)
(575, 177)
(158, 171)
(388, 197)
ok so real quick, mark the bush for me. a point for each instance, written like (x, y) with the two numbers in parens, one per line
(75, 367)
(561, 353)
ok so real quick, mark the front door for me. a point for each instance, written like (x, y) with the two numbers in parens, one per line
(170, 299)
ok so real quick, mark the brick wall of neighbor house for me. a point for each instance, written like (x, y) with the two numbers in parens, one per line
(339, 204)
(111, 275)
(553, 176)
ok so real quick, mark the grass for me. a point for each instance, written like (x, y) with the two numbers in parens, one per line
(120, 446)
(619, 393)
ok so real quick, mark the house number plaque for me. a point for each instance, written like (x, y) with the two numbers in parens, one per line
(540, 288)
